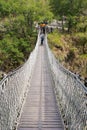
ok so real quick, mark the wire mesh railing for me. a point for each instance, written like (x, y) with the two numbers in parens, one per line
(13, 89)
(71, 95)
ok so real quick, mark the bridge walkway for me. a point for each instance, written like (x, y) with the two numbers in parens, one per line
(40, 110)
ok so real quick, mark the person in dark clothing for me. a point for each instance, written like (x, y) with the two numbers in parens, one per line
(42, 38)
(43, 27)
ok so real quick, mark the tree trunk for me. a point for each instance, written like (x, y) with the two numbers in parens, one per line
(62, 24)
(69, 25)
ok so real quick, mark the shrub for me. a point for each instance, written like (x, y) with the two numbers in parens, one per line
(70, 55)
(82, 41)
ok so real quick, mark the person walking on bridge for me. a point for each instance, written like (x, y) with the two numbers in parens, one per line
(43, 27)
(42, 38)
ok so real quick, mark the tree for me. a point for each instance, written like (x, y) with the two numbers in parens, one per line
(17, 19)
(70, 9)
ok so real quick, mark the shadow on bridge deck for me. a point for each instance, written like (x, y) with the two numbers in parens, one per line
(40, 111)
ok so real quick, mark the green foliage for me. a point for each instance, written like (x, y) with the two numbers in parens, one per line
(70, 55)
(82, 41)
(82, 25)
(71, 9)
(55, 39)
(13, 51)
(83, 56)
(68, 7)
(17, 31)
(82, 37)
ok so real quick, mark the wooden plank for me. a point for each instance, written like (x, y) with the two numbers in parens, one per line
(40, 111)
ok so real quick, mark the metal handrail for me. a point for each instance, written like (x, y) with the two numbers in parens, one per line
(71, 74)
(71, 94)
(13, 89)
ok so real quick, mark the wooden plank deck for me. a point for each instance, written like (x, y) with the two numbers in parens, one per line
(40, 111)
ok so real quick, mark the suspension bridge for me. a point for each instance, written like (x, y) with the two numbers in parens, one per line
(42, 95)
